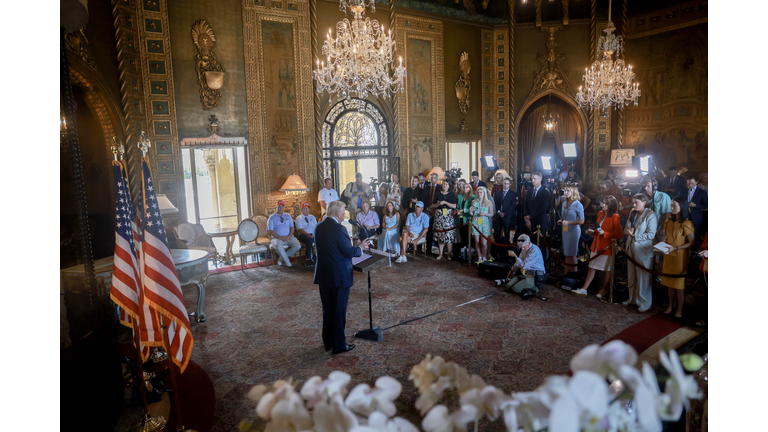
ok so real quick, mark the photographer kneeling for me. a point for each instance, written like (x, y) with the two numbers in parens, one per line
(531, 265)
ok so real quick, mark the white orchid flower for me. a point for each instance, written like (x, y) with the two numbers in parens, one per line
(487, 400)
(531, 409)
(604, 360)
(680, 387)
(379, 422)
(289, 415)
(426, 372)
(439, 420)
(581, 405)
(282, 390)
(333, 416)
(432, 394)
(315, 389)
(646, 395)
(364, 400)
(619, 420)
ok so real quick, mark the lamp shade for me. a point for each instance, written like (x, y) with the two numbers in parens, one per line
(166, 206)
(439, 171)
(294, 184)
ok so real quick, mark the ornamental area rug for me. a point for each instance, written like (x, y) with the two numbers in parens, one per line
(264, 324)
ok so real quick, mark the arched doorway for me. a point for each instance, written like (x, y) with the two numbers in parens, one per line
(355, 139)
(571, 128)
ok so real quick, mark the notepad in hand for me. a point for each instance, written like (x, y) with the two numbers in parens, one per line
(663, 247)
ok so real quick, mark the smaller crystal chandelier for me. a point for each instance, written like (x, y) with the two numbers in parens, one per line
(608, 81)
(550, 123)
(360, 59)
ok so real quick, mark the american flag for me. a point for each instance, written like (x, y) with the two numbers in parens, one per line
(126, 290)
(159, 279)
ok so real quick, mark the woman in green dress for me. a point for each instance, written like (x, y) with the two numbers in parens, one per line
(464, 202)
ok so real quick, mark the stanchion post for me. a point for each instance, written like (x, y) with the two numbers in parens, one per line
(613, 268)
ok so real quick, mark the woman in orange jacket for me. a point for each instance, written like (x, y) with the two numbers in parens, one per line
(608, 228)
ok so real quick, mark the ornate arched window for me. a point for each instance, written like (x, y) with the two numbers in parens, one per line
(355, 139)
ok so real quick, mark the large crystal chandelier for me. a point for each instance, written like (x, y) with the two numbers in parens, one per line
(609, 81)
(360, 59)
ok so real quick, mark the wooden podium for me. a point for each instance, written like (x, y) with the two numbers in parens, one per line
(373, 262)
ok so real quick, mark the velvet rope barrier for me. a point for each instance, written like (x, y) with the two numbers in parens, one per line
(447, 229)
(570, 264)
(489, 240)
(642, 267)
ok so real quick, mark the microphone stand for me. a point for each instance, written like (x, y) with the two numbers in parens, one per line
(372, 333)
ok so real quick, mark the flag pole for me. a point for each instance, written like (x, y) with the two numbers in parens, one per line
(172, 370)
(148, 423)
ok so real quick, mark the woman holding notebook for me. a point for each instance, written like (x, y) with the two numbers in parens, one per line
(640, 229)
(680, 235)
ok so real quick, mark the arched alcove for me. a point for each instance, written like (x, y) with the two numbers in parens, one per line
(571, 127)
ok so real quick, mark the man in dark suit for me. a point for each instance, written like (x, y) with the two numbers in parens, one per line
(411, 196)
(334, 275)
(476, 182)
(505, 219)
(536, 206)
(698, 201)
(428, 198)
(673, 185)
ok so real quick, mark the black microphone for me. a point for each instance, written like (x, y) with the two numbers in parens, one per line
(353, 222)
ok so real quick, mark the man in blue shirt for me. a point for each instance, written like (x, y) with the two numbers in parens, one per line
(415, 229)
(280, 229)
(530, 263)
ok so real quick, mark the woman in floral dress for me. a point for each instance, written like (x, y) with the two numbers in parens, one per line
(482, 210)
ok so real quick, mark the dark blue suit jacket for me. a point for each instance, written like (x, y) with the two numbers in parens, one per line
(701, 200)
(507, 205)
(334, 254)
(678, 184)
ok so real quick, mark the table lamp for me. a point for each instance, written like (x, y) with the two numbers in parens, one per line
(166, 206)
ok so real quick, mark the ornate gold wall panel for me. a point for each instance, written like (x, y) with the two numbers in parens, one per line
(159, 101)
(279, 92)
(421, 111)
(512, 144)
(496, 104)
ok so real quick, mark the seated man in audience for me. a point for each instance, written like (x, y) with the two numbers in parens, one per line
(368, 221)
(327, 195)
(305, 226)
(416, 227)
(530, 263)
(280, 229)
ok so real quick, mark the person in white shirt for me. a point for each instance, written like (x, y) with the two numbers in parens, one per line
(327, 195)
(305, 227)
(280, 229)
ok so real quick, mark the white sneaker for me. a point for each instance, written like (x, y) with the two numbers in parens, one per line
(599, 296)
(644, 309)
(403, 258)
(580, 291)
(288, 263)
(280, 261)
(394, 255)
(625, 303)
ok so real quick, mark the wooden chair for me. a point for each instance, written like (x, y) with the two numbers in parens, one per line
(356, 237)
(248, 231)
(193, 236)
(422, 242)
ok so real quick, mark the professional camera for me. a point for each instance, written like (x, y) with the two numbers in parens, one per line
(453, 174)
(374, 184)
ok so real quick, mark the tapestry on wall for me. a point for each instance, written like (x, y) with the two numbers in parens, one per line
(420, 103)
(670, 121)
(280, 96)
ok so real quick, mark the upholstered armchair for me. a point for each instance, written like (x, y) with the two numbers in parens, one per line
(193, 236)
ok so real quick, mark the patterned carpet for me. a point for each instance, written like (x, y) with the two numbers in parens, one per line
(264, 324)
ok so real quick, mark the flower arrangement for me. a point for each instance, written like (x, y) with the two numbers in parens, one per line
(606, 393)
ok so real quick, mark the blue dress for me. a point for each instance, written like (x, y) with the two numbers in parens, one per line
(388, 242)
(571, 233)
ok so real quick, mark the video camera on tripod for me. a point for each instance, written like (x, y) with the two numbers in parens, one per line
(642, 168)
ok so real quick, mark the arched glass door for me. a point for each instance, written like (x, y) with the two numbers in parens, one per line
(355, 139)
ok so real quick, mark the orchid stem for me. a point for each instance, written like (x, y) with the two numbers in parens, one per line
(476, 422)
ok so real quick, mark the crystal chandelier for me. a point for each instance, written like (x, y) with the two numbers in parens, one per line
(360, 59)
(550, 123)
(608, 81)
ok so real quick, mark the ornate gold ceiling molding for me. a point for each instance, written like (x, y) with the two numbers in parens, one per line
(668, 19)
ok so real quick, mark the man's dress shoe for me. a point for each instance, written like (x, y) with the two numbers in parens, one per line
(347, 348)
(528, 294)
(327, 347)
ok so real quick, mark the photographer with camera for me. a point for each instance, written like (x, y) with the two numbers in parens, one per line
(357, 192)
